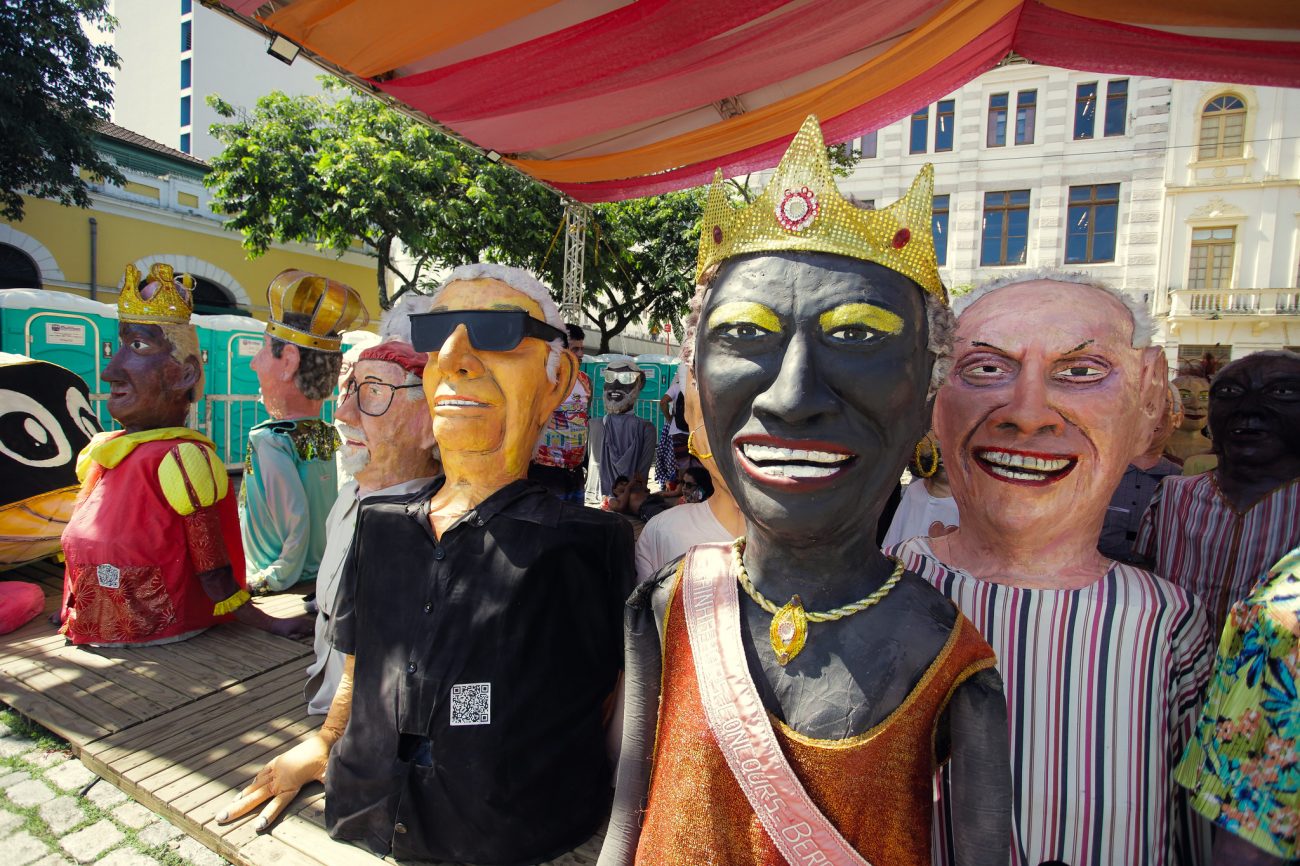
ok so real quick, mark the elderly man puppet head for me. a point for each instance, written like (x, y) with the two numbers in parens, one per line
(480, 615)
(1054, 390)
(819, 326)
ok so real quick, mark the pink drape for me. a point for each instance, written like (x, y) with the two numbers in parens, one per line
(790, 44)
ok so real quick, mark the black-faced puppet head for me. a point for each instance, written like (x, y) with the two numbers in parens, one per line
(45, 420)
(1255, 415)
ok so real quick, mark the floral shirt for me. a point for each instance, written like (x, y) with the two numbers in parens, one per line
(1242, 766)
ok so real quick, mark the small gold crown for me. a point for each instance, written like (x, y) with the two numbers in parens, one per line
(331, 306)
(171, 303)
(802, 209)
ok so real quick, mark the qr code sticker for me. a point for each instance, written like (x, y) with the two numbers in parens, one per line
(471, 704)
(110, 577)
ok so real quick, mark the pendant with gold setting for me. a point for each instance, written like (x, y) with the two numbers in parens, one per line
(789, 630)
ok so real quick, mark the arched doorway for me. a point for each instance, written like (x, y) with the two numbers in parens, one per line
(17, 269)
(212, 297)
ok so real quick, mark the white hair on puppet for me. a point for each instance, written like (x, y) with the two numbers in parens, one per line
(1143, 327)
(396, 323)
(526, 284)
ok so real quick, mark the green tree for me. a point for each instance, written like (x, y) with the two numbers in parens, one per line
(54, 91)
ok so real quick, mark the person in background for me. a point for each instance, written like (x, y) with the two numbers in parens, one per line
(560, 462)
(1139, 484)
(388, 449)
(697, 486)
(1189, 438)
(671, 456)
(290, 481)
(1242, 766)
(1214, 534)
(927, 506)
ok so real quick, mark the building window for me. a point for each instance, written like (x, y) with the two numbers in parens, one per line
(186, 77)
(1093, 217)
(939, 227)
(185, 142)
(1212, 254)
(187, 6)
(1085, 110)
(1189, 354)
(18, 270)
(1116, 106)
(920, 130)
(1006, 228)
(997, 132)
(943, 125)
(1026, 108)
(867, 145)
(186, 35)
(1223, 128)
(185, 111)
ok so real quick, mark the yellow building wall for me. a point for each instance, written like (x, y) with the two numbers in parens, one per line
(122, 240)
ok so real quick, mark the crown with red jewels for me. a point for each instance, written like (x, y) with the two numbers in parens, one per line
(169, 303)
(801, 209)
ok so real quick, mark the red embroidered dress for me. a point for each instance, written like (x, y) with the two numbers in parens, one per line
(154, 511)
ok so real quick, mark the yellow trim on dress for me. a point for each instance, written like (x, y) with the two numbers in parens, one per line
(114, 447)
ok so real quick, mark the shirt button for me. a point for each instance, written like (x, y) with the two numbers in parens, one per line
(427, 607)
(440, 554)
(410, 669)
(399, 827)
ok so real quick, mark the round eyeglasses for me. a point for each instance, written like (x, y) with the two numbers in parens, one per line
(373, 398)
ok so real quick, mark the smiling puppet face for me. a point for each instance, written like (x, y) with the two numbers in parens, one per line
(1046, 405)
(812, 371)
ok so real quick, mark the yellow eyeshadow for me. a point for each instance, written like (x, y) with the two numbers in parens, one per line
(745, 313)
(868, 315)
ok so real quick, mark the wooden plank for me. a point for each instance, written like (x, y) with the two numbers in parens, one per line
(246, 698)
(313, 841)
(233, 765)
(78, 691)
(67, 722)
(138, 679)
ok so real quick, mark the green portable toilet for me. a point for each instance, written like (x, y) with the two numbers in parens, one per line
(233, 407)
(64, 329)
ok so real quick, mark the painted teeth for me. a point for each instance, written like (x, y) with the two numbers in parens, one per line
(781, 455)
(1003, 472)
(459, 403)
(798, 470)
(1024, 461)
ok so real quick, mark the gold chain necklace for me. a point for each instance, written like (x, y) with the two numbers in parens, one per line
(789, 629)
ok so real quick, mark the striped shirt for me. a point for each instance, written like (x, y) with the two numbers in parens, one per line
(1103, 686)
(1197, 540)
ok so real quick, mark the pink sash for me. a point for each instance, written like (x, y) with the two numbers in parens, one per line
(739, 722)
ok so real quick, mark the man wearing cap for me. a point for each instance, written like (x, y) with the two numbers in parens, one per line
(388, 450)
(153, 553)
(620, 442)
(290, 482)
(480, 617)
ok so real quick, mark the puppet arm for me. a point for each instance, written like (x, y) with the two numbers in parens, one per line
(277, 517)
(219, 585)
(981, 772)
(281, 779)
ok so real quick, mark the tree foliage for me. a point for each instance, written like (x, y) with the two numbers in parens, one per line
(342, 168)
(54, 91)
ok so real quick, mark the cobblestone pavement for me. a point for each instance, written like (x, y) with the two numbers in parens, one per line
(53, 811)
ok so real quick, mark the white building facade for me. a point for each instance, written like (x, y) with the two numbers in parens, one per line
(1186, 194)
(175, 53)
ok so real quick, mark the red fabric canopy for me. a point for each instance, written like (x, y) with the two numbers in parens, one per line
(606, 99)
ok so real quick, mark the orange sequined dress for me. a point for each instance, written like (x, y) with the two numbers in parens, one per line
(875, 787)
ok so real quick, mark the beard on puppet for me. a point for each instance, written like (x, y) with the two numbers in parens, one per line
(818, 330)
(124, 587)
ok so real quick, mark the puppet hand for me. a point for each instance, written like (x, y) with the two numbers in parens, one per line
(280, 780)
(293, 627)
(937, 529)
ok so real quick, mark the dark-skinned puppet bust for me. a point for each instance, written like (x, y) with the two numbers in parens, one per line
(810, 686)
(1215, 533)
(480, 617)
(153, 550)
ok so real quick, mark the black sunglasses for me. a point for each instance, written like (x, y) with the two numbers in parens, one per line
(489, 330)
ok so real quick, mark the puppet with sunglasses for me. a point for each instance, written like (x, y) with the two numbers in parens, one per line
(619, 442)
(480, 618)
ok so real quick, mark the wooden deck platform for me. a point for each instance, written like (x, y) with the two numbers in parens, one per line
(180, 728)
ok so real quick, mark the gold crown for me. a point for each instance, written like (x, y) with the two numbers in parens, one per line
(331, 306)
(802, 209)
(171, 303)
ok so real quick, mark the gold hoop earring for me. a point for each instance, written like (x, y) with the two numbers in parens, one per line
(690, 448)
(934, 455)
